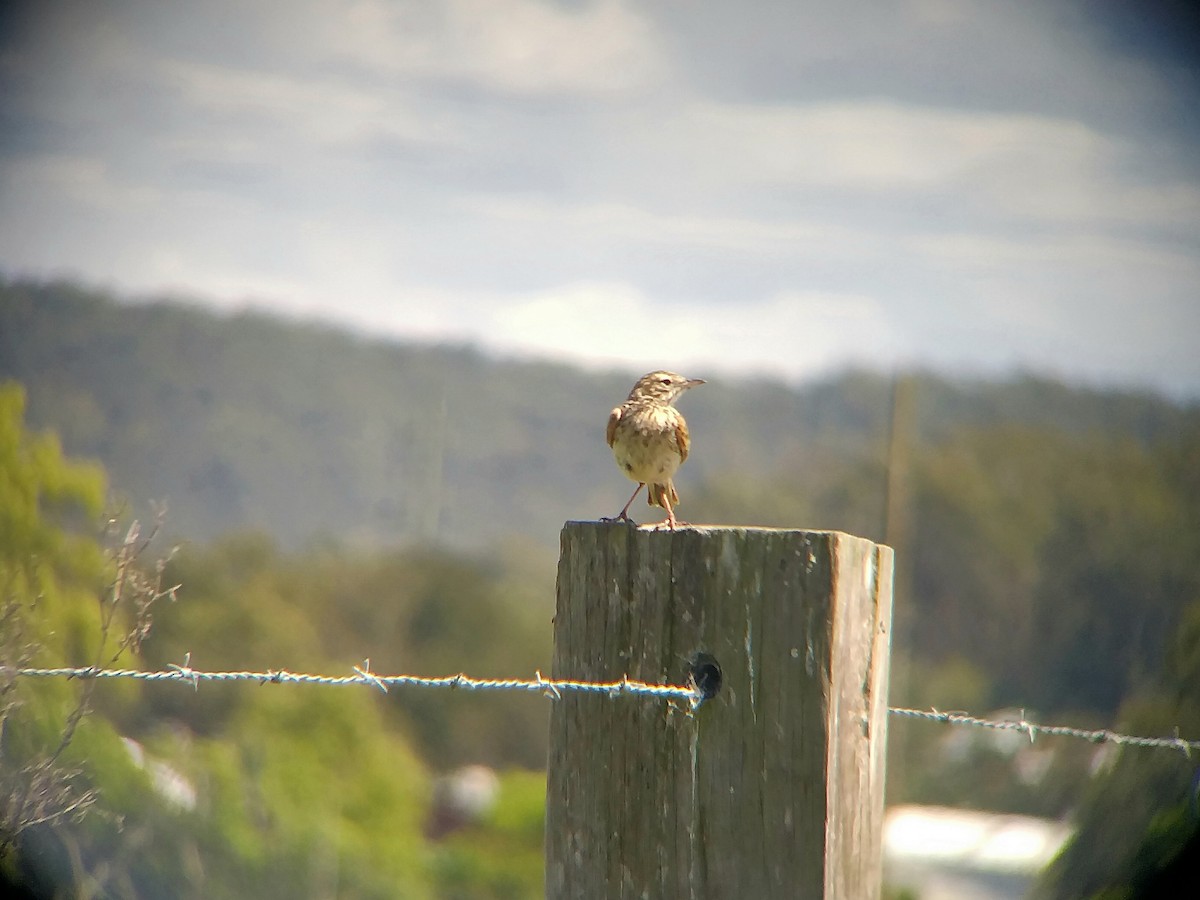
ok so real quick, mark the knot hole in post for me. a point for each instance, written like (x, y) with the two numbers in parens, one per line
(704, 674)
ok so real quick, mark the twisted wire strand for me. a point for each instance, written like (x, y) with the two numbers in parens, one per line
(555, 688)
(1033, 729)
(364, 676)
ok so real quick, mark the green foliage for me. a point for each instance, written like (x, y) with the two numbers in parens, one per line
(303, 789)
(278, 791)
(1141, 819)
(1058, 563)
(417, 611)
(40, 491)
(308, 787)
(501, 857)
(50, 576)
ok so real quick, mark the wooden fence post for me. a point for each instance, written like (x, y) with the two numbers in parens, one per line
(773, 788)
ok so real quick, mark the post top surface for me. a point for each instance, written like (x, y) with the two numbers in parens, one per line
(708, 529)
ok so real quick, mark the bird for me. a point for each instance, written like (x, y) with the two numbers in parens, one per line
(649, 439)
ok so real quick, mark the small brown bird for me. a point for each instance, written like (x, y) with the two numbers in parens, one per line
(649, 439)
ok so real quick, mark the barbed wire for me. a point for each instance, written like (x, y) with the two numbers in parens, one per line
(555, 688)
(1033, 729)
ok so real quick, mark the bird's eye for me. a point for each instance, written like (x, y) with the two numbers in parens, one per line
(665, 380)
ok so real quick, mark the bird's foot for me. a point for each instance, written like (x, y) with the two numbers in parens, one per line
(669, 524)
(622, 516)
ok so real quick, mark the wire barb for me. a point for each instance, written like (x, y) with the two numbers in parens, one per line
(368, 677)
(185, 672)
(551, 691)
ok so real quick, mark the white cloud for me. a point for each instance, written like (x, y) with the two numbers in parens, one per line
(86, 180)
(599, 323)
(626, 222)
(519, 46)
(1079, 252)
(308, 109)
(874, 145)
(791, 334)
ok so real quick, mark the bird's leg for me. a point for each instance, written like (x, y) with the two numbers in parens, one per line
(670, 521)
(660, 496)
(623, 515)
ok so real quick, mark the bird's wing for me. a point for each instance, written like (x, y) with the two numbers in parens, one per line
(613, 418)
(682, 440)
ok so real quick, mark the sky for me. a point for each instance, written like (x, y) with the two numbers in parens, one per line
(762, 188)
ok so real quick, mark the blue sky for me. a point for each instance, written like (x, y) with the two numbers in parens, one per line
(758, 188)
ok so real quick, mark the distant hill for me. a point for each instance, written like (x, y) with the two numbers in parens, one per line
(304, 431)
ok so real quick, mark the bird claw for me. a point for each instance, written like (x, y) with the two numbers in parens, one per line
(620, 517)
(670, 524)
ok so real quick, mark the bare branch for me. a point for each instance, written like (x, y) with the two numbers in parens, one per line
(41, 791)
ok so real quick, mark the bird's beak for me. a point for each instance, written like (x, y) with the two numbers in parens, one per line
(692, 382)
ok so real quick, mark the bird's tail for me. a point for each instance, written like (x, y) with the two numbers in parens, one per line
(657, 492)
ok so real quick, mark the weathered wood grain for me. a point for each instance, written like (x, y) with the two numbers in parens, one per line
(775, 787)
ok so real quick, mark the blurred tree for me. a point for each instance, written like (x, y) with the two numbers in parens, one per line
(1139, 825)
(418, 611)
(48, 575)
(228, 791)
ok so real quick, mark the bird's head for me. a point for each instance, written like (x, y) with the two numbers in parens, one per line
(662, 386)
